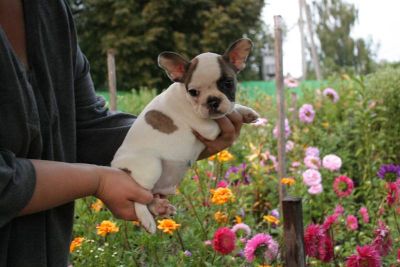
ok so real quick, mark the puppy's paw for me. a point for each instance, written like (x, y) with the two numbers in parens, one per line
(162, 207)
(249, 115)
(145, 218)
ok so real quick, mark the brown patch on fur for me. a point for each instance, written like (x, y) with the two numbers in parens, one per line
(161, 122)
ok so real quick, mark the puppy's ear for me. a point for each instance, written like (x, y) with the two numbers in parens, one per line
(174, 65)
(238, 52)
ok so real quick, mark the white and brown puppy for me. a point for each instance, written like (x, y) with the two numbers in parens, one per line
(161, 146)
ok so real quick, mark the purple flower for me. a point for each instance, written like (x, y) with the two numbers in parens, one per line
(386, 169)
(236, 170)
(331, 94)
(275, 213)
(306, 113)
(187, 253)
(289, 145)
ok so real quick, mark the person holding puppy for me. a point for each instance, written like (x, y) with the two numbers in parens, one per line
(57, 137)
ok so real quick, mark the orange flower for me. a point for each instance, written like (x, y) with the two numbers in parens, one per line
(76, 243)
(288, 181)
(106, 227)
(221, 217)
(271, 219)
(136, 223)
(97, 206)
(222, 156)
(221, 195)
(238, 219)
(168, 226)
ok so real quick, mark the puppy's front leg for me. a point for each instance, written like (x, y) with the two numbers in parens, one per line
(249, 115)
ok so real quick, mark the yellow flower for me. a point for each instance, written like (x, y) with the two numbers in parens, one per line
(325, 125)
(76, 243)
(271, 219)
(106, 227)
(255, 152)
(221, 195)
(288, 181)
(97, 205)
(222, 156)
(168, 226)
(221, 217)
(238, 219)
(136, 223)
(264, 265)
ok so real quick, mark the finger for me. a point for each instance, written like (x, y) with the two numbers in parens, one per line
(227, 127)
(141, 195)
(237, 120)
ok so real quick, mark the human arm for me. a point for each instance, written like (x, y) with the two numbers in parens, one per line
(58, 183)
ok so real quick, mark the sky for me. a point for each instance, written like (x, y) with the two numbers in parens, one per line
(377, 20)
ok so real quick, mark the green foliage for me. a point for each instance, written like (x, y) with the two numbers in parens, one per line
(362, 128)
(140, 30)
(339, 52)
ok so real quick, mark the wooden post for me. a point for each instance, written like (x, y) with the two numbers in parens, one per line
(112, 80)
(293, 232)
(280, 98)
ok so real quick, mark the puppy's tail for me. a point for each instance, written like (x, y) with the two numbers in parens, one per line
(145, 218)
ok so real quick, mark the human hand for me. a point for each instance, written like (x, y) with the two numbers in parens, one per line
(230, 126)
(119, 191)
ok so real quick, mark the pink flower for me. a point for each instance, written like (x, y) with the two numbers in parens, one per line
(241, 226)
(222, 183)
(364, 214)
(224, 240)
(331, 219)
(258, 240)
(260, 122)
(312, 162)
(312, 151)
(289, 146)
(295, 164)
(383, 241)
(352, 222)
(331, 94)
(332, 162)
(343, 186)
(306, 113)
(287, 130)
(315, 189)
(291, 82)
(339, 209)
(366, 256)
(398, 255)
(311, 177)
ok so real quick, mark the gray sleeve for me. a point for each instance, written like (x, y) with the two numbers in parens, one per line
(17, 183)
(99, 131)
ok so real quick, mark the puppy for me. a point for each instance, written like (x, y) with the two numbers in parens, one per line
(160, 146)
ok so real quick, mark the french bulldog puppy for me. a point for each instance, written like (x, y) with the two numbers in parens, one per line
(160, 146)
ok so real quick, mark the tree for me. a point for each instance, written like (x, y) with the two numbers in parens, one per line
(339, 52)
(139, 30)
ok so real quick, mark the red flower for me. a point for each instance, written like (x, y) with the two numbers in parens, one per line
(382, 242)
(224, 240)
(331, 219)
(318, 243)
(366, 256)
(392, 193)
(339, 183)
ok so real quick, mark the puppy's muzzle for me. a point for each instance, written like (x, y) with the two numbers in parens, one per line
(213, 103)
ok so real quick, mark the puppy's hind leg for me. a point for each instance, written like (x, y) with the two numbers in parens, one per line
(146, 171)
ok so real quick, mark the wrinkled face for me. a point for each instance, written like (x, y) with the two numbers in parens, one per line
(211, 85)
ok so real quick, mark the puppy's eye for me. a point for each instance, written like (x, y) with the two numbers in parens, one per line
(228, 84)
(193, 92)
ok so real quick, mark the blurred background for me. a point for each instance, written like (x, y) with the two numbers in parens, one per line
(322, 38)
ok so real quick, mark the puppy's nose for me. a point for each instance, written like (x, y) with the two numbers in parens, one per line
(213, 103)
